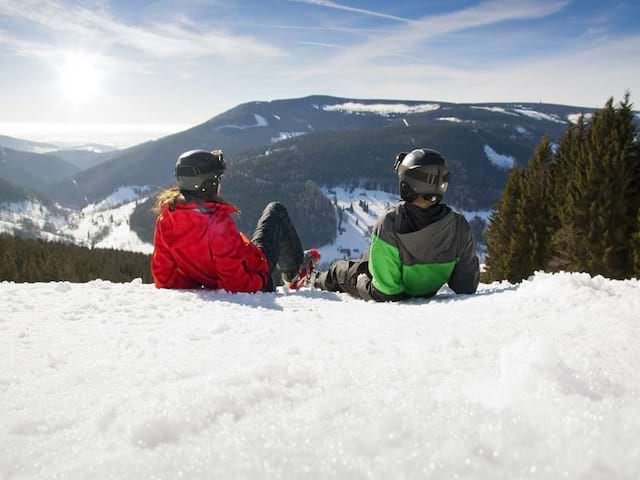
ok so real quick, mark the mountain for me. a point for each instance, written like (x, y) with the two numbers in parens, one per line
(33, 170)
(479, 157)
(26, 145)
(263, 123)
(85, 158)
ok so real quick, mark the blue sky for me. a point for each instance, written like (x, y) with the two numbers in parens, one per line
(182, 62)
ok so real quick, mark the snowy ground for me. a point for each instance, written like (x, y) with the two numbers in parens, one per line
(104, 380)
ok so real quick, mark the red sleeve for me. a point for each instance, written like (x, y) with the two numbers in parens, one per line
(164, 268)
(241, 267)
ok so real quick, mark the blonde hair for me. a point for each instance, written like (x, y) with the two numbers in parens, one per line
(172, 196)
(169, 197)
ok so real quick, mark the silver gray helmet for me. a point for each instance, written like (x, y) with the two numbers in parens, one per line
(200, 171)
(423, 172)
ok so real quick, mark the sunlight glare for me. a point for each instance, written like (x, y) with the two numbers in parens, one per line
(79, 77)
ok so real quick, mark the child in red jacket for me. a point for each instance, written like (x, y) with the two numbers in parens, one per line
(197, 244)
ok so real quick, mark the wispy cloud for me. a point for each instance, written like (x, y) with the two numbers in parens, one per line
(98, 28)
(321, 44)
(369, 54)
(346, 8)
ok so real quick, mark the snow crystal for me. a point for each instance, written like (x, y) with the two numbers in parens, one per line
(539, 115)
(384, 109)
(500, 161)
(574, 117)
(496, 110)
(126, 381)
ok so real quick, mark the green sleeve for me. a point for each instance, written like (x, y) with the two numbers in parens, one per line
(385, 266)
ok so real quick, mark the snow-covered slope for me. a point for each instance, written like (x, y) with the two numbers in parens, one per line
(361, 209)
(105, 224)
(538, 380)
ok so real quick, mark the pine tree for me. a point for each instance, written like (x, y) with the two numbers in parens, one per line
(533, 222)
(503, 252)
(601, 193)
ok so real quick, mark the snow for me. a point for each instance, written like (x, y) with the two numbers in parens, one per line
(537, 380)
(500, 161)
(405, 122)
(496, 110)
(260, 121)
(539, 115)
(118, 197)
(471, 214)
(104, 225)
(522, 130)
(574, 117)
(384, 109)
(449, 119)
(286, 136)
(354, 240)
(277, 117)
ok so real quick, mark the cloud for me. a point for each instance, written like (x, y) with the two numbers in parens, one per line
(483, 14)
(339, 6)
(98, 28)
(321, 44)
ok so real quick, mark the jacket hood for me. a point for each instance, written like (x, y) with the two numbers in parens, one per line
(432, 244)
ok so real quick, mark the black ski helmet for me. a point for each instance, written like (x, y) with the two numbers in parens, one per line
(423, 172)
(200, 171)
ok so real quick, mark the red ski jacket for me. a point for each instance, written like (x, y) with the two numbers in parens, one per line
(198, 244)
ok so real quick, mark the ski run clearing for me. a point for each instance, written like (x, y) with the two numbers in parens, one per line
(537, 380)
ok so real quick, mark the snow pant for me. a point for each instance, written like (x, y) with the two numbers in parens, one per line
(276, 236)
(342, 276)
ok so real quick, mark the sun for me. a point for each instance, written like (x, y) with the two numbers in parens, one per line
(79, 77)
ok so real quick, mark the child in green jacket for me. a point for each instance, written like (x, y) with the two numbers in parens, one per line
(417, 246)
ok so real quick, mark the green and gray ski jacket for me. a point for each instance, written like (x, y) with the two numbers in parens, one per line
(417, 264)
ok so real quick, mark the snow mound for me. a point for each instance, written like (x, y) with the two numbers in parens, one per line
(539, 115)
(105, 380)
(500, 161)
(384, 109)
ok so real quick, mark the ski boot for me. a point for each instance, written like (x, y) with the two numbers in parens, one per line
(309, 264)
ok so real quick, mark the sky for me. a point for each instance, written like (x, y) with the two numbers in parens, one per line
(183, 62)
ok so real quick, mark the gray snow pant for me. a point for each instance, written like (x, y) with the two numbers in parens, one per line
(276, 236)
(342, 276)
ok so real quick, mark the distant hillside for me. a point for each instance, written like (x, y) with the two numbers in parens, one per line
(32, 170)
(358, 158)
(85, 159)
(264, 123)
(26, 145)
